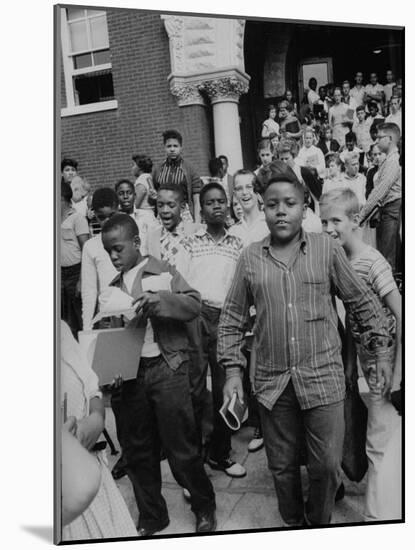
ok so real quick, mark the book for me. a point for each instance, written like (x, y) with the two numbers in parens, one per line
(113, 351)
(234, 413)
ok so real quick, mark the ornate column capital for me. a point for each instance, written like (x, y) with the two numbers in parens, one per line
(186, 93)
(228, 87)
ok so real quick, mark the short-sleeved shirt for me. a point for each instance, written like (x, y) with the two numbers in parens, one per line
(376, 272)
(358, 94)
(72, 227)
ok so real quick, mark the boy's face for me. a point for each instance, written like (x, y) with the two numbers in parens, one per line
(336, 223)
(283, 112)
(322, 92)
(105, 213)
(360, 115)
(350, 145)
(244, 191)
(265, 156)
(358, 78)
(274, 141)
(373, 110)
(389, 77)
(352, 167)
(237, 208)
(285, 210)
(373, 79)
(378, 156)
(308, 139)
(68, 173)
(172, 148)
(169, 208)
(383, 141)
(214, 207)
(334, 169)
(126, 197)
(287, 158)
(328, 134)
(123, 250)
(346, 89)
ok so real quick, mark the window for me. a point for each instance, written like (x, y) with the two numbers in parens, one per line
(86, 61)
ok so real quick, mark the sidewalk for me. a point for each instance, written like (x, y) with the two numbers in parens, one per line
(246, 503)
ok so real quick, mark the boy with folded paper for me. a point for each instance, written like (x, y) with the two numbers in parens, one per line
(155, 408)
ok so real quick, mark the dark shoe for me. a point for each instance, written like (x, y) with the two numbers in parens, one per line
(339, 493)
(231, 468)
(148, 532)
(119, 470)
(205, 522)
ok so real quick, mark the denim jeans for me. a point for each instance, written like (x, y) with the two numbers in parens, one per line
(220, 439)
(156, 411)
(387, 233)
(284, 428)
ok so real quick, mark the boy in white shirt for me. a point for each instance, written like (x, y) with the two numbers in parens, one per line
(352, 178)
(97, 270)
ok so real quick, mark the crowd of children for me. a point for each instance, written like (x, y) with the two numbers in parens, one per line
(236, 276)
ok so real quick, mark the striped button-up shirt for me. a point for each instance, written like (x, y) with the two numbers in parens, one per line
(295, 334)
(172, 172)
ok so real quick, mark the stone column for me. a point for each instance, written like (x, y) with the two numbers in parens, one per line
(224, 93)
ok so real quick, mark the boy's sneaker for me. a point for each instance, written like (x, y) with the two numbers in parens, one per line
(257, 442)
(231, 468)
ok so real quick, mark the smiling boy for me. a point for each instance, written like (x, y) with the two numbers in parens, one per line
(299, 380)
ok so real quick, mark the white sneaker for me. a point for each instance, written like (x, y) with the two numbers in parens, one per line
(231, 468)
(257, 442)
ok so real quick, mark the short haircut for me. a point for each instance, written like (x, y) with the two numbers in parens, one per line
(124, 180)
(350, 136)
(287, 178)
(104, 197)
(264, 143)
(208, 187)
(391, 129)
(172, 134)
(346, 82)
(373, 105)
(312, 79)
(288, 146)
(333, 157)
(342, 196)
(351, 156)
(143, 162)
(215, 166)
(224, 157)
(66, 191)
(360, 108)
(243, 172)
(68, 162)
(174, 188)
(122, 221)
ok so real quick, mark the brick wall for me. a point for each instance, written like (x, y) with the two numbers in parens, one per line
(103, 142)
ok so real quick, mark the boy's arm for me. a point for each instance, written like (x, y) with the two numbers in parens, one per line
(89, 288)
(393, 302)
(366, 309)
(181, 302)
(388, 174)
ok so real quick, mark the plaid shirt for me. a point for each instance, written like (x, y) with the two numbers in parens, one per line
(295, 334)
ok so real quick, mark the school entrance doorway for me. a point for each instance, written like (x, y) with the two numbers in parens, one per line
(280, 56)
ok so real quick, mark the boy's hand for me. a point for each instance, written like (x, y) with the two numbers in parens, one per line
(148, 303)
(232, 385)
(89, 429)
(384, 374)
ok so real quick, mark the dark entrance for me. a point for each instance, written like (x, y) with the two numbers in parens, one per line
(274, 53)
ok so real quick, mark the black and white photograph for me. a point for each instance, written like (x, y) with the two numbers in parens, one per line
(229, 273)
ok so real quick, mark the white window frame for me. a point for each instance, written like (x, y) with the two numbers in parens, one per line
(69, 72)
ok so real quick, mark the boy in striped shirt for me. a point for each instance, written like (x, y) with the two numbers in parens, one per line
(339, 213)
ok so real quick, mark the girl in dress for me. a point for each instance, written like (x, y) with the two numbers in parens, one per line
(270, 125)
(338, 118)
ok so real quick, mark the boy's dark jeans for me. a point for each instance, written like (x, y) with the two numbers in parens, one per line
(156, 411)
(71, 304)
(284, 428)
(220, 439)
(387, 233)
